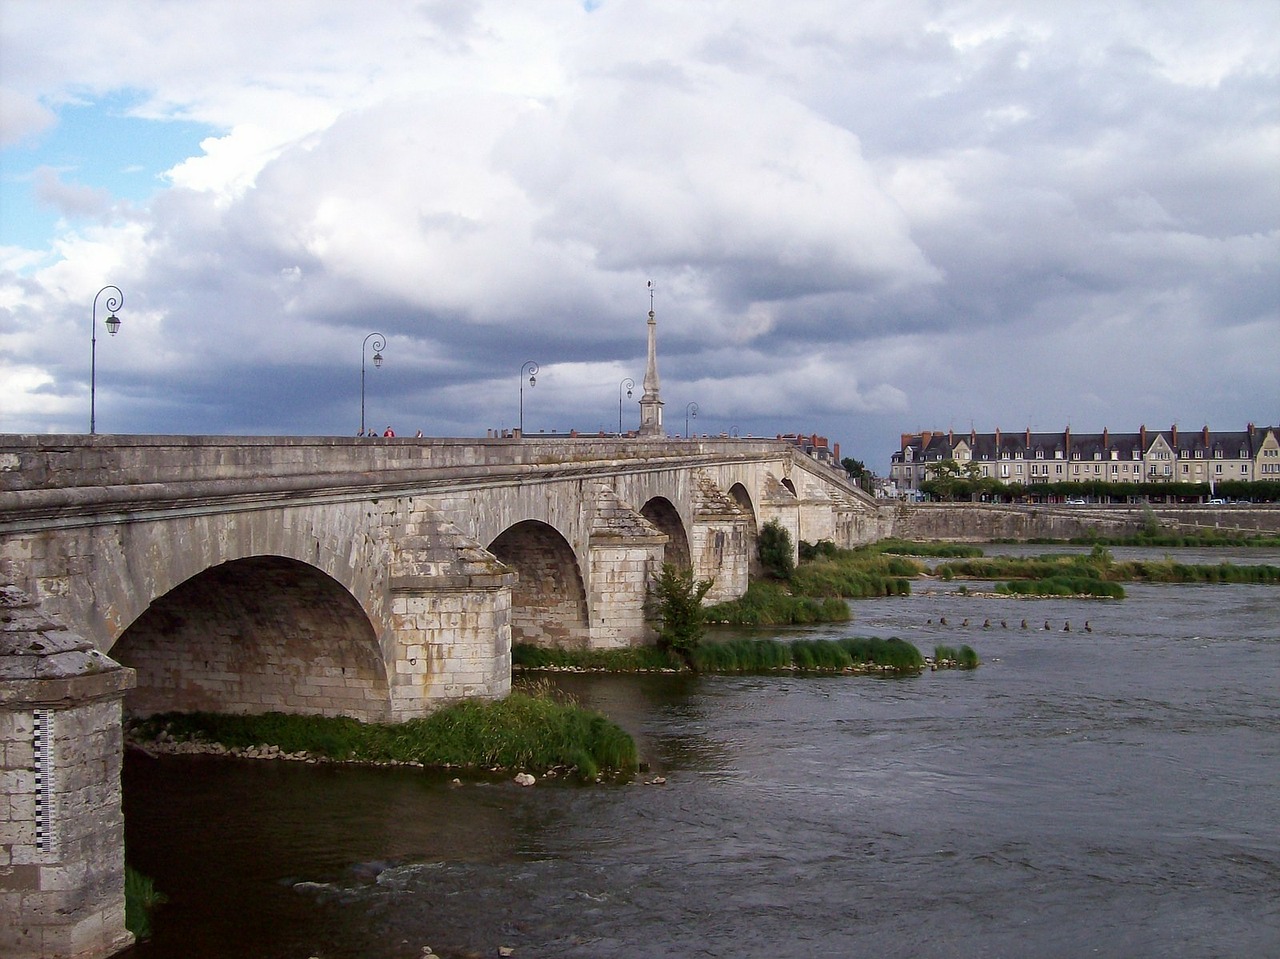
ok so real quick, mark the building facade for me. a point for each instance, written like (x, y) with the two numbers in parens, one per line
(1147, 456)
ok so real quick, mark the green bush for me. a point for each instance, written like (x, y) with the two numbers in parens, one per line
(679, 610)
(777, 554)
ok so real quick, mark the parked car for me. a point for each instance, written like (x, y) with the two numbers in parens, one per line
(1217, 502)
(1076, 502)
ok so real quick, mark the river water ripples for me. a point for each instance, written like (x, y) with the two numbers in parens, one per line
(1110, 793)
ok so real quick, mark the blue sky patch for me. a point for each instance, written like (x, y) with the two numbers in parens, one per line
(95, 147)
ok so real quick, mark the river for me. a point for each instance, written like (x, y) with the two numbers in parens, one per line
(1109, 793)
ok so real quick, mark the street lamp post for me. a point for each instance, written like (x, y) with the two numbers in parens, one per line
(532, 368)
(628, 384)
(114, 302)
(690, 410)
(379, 344)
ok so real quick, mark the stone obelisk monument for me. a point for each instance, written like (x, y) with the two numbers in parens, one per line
(650, 405)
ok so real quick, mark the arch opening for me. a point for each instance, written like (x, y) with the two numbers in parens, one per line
(549, 601)
(739, 494)
(256, 635)
(661, 513)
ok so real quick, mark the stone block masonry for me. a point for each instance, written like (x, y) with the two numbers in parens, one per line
(62, 828)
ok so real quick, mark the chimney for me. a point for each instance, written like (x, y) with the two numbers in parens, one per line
(906, 439)
(925, 437)
(1142, 437)
(835, 452)
(973, 436)
(1106, 438)
(1204, 437)
(1066, 442)
(1174, 430)
(997, 442)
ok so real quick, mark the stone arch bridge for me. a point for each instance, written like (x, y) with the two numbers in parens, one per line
(373, 578)
(379, 578)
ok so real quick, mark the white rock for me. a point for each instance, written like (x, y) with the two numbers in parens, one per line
(524, 779)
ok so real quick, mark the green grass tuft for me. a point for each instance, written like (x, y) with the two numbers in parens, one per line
(140, 900)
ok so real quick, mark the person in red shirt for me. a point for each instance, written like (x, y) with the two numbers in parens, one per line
(388, 432)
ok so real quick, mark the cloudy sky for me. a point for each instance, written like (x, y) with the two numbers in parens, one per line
(860, 218)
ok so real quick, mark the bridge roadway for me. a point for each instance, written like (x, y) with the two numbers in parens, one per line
(379, 578)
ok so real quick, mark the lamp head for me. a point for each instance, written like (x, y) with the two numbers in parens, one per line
(533, 380)
(113, 324)
(377, 360)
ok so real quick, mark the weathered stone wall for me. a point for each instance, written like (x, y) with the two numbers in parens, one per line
(61, 822)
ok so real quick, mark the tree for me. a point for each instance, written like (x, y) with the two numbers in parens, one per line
(679, 610)
(948, 479)
(858, 472)
(777, 555)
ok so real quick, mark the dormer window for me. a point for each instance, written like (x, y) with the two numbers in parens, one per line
(1199, 454)
(1097, 456)
(1039, 454)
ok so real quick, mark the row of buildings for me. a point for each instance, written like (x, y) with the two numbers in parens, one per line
(1147, 456)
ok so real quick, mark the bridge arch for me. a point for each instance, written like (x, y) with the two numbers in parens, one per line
(549, 599)
(662, 513)
(742, 496)
(259, 634)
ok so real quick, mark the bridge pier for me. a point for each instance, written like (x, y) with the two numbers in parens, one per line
(61, 749)
(720, 542)
(450, 620)
(625, 554)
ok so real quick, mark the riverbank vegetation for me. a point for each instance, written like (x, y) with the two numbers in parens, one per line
(769, 603)
(532, 730)
(815, 590)
(1097, 573)
(939, 550)
(738, 655)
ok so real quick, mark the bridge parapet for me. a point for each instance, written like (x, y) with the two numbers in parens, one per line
(37, 462)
